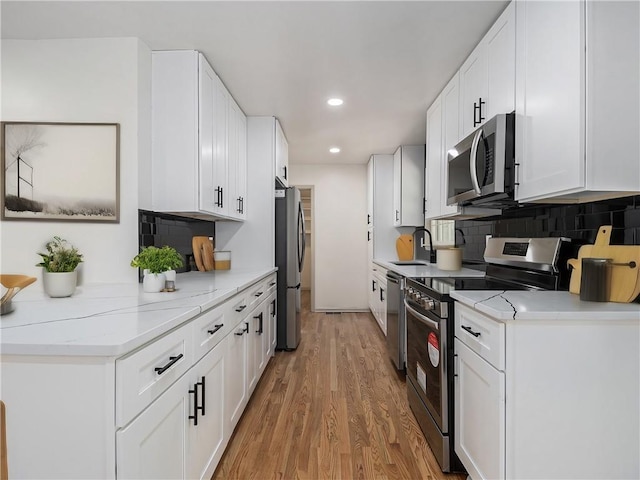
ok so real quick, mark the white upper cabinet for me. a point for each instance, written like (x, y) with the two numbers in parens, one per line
(282, 156)
(370, 192)
(408, 186)
(433, 176)
(196, 154)
(237, 197)
(381, 233)
(443, 134)
(577, 97)
(487, 77)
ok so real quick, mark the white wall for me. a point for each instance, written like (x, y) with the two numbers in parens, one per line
(81, 80)
(339, 233)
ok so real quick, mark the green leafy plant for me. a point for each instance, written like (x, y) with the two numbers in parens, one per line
(157, 260)
(61, 256)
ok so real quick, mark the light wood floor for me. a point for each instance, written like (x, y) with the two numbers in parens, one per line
(334, 408)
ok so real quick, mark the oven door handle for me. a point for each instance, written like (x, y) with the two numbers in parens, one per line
(473, 161)
(421, 317)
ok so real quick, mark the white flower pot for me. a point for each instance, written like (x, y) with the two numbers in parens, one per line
(59, 284)
(153, 282)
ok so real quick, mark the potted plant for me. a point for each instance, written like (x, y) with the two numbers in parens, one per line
(60, 262)
(155, 263)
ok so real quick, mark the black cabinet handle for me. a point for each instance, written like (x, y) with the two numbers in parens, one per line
(259, 318)
(382, 294)
(272, 284)
(172, 361)
(257, 294)
(194, 417)
(285, 172)
(368, 236)
(245, 329)
(477, 108)
(201, 383)
(368, 219)
(240, 308)
(397, 215)
(273, 308)
(221, 198)
(468, 329)
(216, 328)
(373, 285)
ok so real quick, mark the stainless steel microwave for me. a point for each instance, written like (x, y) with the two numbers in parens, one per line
(480, 168)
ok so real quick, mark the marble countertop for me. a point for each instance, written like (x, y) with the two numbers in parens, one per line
(544, 305)
(113, 319)
(426, 270)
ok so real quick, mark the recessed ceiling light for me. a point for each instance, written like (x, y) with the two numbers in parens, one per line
(335, 102)
(334, 150)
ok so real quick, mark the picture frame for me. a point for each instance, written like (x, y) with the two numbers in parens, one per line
(60, 171)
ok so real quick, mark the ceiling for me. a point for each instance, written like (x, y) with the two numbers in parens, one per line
(387, 60)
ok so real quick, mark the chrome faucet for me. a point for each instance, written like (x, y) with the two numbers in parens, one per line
(418, 245)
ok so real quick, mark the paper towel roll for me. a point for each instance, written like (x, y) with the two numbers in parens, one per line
(449, 258)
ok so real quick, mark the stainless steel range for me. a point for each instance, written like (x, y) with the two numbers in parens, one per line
(512, 264)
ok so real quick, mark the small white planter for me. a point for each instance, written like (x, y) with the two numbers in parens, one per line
(59, 284)
(153, 282)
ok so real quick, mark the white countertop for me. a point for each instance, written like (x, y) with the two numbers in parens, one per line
(113, 319)
(427, 270)
(544, 305)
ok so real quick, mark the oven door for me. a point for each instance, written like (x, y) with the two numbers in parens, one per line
(427, 361)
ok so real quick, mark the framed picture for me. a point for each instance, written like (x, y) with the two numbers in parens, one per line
(60, 171)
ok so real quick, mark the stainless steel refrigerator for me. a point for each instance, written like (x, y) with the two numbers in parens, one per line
(290, 246)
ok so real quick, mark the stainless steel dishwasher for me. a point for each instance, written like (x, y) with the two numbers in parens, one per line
(396, 319)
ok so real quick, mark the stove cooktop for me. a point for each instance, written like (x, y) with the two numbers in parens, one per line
(443, 286)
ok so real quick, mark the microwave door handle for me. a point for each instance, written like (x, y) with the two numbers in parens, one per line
(472, 161)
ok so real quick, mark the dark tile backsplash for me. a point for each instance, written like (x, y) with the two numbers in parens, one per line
(159, 229)
(579, 222)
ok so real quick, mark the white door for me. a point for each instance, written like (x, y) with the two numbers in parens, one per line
(397, 187)
(220, 148)
(236, 374)
(450, 137)
(433, 170)
(501, 63)
(208, 438)
(473, 91)
(370, 189)
(208, 192)
(479, 415)
(550, 90)
(155, 445)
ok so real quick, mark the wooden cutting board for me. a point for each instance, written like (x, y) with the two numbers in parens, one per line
(203, 253)
(624, 280)
(404, 247)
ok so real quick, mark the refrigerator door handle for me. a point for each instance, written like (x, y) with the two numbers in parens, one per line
(301, 237)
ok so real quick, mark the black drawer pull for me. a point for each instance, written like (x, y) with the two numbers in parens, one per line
(172, 361)
(272, 284)
(259, 318)
(240, 308)
(217, 327)
(468, 329)
(244, 330)
(258, 294)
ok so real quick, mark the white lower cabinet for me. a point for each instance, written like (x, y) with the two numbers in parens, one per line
(180, 435)
(546, 398)
(155, 444)
(165, 410)
(480, 415)
(378, 297)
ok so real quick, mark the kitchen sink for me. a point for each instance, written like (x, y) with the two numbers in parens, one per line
(408, 263)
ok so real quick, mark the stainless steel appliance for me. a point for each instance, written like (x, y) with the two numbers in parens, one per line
(481, 166)
(512, 264)
(290, 246)
(395, 319)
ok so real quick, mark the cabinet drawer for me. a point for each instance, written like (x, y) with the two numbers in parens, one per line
(256, 293)
(481, 334)
(142, 376)
(209, 329)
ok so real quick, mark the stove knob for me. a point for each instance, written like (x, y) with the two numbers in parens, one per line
(428, 304)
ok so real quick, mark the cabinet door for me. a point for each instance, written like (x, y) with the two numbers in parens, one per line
(236, 375)
(473, 91)
(220, 148)
(155, 444)
(255, 357)
(282, 155)
(273, 312)
(237, 165)
(450, 137)
(208, 438)
(383, 306)
(550, 89)
(397, 187)
(479, 415)
(370, 191)
(433, 169)
(207, 136)
(501, 64)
